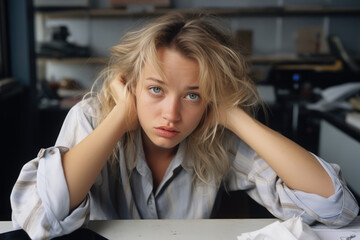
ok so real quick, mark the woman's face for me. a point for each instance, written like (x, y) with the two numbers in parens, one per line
(169, 109)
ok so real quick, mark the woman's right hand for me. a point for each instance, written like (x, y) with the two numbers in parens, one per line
(83, 163)
(125, 103)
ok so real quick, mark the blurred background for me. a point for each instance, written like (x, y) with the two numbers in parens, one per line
(304, 57)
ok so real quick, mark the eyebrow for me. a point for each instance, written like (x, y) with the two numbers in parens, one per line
(163, 83)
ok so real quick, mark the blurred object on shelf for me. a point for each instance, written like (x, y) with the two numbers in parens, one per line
(232, 4)
(60, 94)
(139, 5)
(310, 41)
(69, 87)
(49, 89)
(353, 119)
(321, 67)
(61, 4)
(336, 97)
(355, 102)
(338, 50)
(260, 72)
(59, 47)
(69, 83)
(66, 87)
(67, 103)
(66, 93)
(244, 41)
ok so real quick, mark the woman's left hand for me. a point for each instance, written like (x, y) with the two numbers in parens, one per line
(226, 116)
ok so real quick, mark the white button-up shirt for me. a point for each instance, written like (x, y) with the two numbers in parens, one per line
(40, 198)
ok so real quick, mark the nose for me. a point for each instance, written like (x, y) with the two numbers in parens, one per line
(171, 110)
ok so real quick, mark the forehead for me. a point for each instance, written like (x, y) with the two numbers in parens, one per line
(171, 65)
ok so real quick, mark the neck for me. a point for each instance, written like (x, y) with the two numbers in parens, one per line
(157, 158)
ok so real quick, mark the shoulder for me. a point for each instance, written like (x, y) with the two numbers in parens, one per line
(89, 106)
(87, 109)
(235, 146)
(80, 121)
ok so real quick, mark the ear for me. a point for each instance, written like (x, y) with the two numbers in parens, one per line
(122, 78)
(128, 85)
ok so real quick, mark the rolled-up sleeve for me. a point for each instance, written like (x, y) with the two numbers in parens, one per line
(251, 173)
(337, 210)
(40, 197)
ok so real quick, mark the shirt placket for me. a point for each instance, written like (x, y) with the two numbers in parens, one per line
(150, 204)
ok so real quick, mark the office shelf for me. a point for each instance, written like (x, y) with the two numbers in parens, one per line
(255, 11)
(77, 60)
(256, 59)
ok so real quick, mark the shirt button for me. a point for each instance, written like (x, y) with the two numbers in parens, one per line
(149, 202)
(51, 152)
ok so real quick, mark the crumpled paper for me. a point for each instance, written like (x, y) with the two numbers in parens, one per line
(291, 229)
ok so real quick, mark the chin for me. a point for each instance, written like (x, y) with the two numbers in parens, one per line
(165, 143)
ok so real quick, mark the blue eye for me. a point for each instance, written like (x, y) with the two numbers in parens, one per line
(156, 90)
(193, 96)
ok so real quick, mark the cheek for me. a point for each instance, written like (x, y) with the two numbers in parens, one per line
(140, 108)
(139, 104)
(142, 114)
(203, 114)
(196, 116)
(145, 107)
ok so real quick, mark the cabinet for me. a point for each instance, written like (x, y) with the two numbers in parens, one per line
(336, 146)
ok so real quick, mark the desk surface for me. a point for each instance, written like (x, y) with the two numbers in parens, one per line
(170, 229)
(196, 229)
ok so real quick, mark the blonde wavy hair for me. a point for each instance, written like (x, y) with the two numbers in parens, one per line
(223, 78)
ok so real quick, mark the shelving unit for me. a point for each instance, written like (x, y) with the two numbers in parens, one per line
(255, 59)
(242, 12)
(266, 60)
(267, 11)
(77, 60)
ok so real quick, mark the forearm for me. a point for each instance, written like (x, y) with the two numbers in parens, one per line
(83, 163)
(294, 165)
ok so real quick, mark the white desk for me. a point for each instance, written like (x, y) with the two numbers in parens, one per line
(5, 226)
(195, 229)
(171, 229)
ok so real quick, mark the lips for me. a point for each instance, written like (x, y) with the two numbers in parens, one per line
(166, 132)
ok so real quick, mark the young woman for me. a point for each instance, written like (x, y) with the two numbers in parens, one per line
(171, 123)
